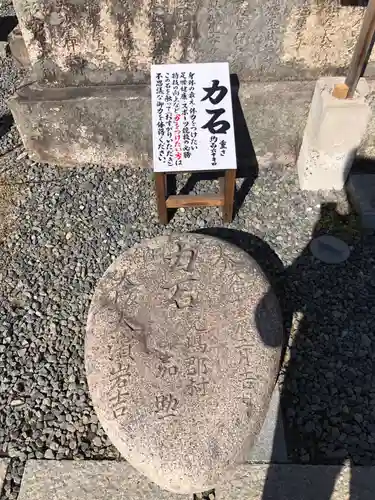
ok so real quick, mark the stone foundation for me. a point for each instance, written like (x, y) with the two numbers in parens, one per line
(77, 125)
(335, 129)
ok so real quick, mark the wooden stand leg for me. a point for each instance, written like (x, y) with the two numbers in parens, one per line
(228, 191)
(160, 189)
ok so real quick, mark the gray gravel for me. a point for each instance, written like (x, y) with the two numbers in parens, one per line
(61, 228)
(6, 8)
(11, 77)
(70, 224)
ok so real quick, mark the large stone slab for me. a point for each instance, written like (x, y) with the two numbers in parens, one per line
(182, 352)
(78, 42)
(70, 126)
(298, 482)
(87, 480)
(48, 122)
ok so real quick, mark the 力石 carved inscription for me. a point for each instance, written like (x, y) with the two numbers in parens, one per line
(181, 263)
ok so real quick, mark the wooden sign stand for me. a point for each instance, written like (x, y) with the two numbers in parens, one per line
(224, 199)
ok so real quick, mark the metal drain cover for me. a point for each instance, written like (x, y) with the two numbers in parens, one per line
(329, 249)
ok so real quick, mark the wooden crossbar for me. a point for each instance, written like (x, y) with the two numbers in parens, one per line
(224, 199)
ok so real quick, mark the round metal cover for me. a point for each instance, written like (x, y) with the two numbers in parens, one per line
(329, 249)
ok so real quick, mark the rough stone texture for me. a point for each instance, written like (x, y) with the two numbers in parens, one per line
(298, 482)
(46, 119)
(182, 352)
(79, 125)
(6, 8)
(3, 470)
(322, 35)
(335, 128)
(18, 48)
(94, 41)
(275, 113)
(3, 49)
(88, 480)
(270, 445)
(320, 171)
(113, 41)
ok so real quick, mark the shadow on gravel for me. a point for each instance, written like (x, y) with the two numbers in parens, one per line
(328, 375)
(247, 164)
(6, 122)
(328, 379)
(7, 24)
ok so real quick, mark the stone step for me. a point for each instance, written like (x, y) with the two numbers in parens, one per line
(106, 480)
(299, 482)
(88, 480)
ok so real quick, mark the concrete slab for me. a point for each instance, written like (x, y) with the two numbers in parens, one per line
(88, 480)
(361, 191)
(270, 445)
(298, 482)
(318, 170)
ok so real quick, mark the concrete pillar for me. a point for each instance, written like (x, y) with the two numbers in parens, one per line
(334, 130)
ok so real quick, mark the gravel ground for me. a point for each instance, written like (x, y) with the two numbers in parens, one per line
(68, 225)
(6, 8)
(60, 229)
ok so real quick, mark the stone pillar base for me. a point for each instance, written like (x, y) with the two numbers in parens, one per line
(334, 130)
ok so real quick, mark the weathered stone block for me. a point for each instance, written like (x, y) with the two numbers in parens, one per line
(274, 121)
(90, 42)
(331, 121)
(17, 47)
(87, 480)
(69, 126)
(182, 351)
(334, 131)
(320, 170)
(114, 41)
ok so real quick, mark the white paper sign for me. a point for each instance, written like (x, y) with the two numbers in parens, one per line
(192, 117)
